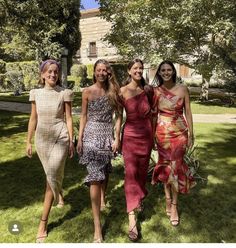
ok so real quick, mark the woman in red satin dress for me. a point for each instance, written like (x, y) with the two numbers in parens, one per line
(137, 141)
(174, 133)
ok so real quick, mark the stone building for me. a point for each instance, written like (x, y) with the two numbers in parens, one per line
(93, 29)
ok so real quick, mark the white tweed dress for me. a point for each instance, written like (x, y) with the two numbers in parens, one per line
(51, 135)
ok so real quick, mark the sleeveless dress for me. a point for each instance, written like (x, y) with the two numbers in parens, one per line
(51, 135)
(137, 144)
(172, 138)
(97, 140)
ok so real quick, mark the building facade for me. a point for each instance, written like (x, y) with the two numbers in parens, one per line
(93, 29)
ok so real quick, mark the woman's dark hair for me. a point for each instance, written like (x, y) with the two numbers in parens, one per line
(43, 68)
(129, 66)
(158, 78)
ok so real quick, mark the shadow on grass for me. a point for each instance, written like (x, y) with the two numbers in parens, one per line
(206, 215)
(209, 209)
(12, 123)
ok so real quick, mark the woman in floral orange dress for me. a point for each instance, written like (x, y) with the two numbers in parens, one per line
(174, 133)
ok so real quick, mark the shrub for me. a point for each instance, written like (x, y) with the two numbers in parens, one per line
(75, 81)
(120, 71)
(29, 71)
(2, 81)
(85, 82)
(78, 71)
(90, 70)
(2, 66)
(14, 81)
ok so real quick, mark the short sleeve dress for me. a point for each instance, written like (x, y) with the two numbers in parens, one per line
(51, 135)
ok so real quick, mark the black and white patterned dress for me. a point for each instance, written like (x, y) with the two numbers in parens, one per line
(97, 140)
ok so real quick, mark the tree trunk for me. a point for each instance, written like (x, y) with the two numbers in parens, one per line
(204, 89)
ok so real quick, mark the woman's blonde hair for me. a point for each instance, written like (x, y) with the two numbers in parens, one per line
(111, 86)
(43, 68)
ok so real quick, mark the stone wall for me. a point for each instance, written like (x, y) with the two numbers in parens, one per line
(93, 28)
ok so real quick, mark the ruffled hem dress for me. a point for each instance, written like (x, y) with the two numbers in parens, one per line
(51, 135)
(172, 138)
(97, 140)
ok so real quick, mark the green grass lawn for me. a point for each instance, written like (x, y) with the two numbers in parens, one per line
(207, 213)
(24, 98)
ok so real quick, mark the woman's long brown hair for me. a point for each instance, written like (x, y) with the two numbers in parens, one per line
(111, 86)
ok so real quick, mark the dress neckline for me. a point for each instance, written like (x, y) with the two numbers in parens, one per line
(50, 88)
(93, 100)
(134, 96)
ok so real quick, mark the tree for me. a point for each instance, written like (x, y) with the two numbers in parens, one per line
(197, 33)
(44, 26)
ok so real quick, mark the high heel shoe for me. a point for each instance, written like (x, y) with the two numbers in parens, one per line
(133, 236)
(99, 240)
(41, 239)
(174, 222)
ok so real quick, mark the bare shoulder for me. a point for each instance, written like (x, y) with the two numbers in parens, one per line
(123, 89)
(86, 92)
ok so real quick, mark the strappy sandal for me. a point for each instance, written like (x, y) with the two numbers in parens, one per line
(168, 204)
(132, 235)
(174, 222)
(99, 240)
(40, 239)
(103, 207)
(140, 208)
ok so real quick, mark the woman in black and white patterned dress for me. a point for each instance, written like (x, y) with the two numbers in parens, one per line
(96, 145)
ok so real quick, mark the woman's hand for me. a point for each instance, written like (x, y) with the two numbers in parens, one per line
(29, 150)
(115, 146)
(71, 149)
(79, 147)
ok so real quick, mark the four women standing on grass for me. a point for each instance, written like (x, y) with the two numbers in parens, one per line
(96, 145)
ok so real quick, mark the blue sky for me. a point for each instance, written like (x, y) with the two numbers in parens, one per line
(89, 4)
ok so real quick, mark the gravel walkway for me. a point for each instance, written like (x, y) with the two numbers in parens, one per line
(203, 118)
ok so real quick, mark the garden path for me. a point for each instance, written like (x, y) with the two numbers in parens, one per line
(203, 118)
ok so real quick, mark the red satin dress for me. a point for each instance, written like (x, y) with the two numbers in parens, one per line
(137, 144)
(172, 138)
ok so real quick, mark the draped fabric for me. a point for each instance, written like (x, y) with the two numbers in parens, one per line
(172, 137)
(136, 148)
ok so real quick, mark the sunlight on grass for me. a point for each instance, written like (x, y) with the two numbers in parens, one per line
(206, 214)
(214, 180)
(204, 108)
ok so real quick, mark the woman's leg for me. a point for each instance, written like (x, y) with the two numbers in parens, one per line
(48, 200)
(168, 198)
(174, 218)
(60, 201)
(103, 192)
(95, 196)
(133, 231)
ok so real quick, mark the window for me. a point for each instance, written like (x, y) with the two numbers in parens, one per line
(92, 49)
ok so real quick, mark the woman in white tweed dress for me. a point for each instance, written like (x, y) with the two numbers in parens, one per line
(51, 120)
